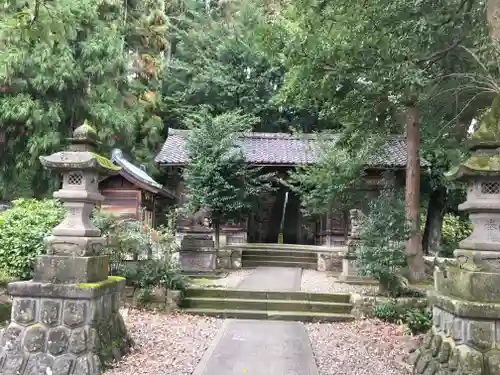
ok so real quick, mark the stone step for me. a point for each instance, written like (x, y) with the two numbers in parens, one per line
(259, 295)
(271, 315)
(279, 257)
(275, 252)
(278, 263)
(267, 304)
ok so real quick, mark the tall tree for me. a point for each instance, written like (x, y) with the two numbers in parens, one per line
(63, 62)
(215, 63)
(370, 64)
(217, 174)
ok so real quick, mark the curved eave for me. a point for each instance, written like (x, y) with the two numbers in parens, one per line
(145, 186)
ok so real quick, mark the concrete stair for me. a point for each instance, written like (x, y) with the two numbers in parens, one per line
(278, 256)
(290, 306)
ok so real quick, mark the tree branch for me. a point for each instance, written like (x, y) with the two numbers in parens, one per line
(460, 8)
(438, 55)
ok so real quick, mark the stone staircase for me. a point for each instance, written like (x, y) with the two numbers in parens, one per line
(289, 306)
(276, 255)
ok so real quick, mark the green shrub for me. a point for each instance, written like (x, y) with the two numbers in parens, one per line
(381, 250)
(415, 320)
(23, 228)
(153, 252)
(418, 321)
(454, 230)
(388, 312)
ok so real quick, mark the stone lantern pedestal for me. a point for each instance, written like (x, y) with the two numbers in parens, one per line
(66, 320)
(350, 272)
(465, 337)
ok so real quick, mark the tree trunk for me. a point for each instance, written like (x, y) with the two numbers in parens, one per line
(431, 242)
(493, 18)
(416, 265)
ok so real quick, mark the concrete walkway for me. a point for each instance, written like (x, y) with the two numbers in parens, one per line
(260, 347)
(272, 279)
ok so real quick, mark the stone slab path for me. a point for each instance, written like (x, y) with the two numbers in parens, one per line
(261, 347)
(270, 279)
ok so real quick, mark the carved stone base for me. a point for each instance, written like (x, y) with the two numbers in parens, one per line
(350, 273)
(466, 324)
(198, 253)
(328, 261)
(229, 259)
(72, 329)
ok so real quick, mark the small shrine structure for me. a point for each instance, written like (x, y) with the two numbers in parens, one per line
(279, 153)
(132, 193)
(66, 320)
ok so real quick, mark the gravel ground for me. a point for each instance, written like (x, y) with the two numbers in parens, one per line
(366, 347)
(321, 282)
(165, 344)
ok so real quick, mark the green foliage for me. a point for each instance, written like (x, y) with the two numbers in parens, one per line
(454, 230)
(215, 63)
(23, 229)
(388, 312)
(63, 62)
(144, 296)
(332, 182)
(418, 321)
(144, 256)
(360, 72)
(415, 320)
(381, 251)
(217, 174)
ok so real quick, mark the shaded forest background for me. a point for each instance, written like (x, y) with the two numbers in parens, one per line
(426, 70)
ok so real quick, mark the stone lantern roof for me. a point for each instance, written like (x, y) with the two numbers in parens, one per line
(81, 154)
(485, 147)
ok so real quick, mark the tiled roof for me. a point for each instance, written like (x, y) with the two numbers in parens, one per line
(137, 172)
(280, 149)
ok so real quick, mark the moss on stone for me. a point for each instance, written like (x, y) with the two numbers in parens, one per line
(105, 162)
(86, 125)
(483, 163)
(109, 280)
(476, 165)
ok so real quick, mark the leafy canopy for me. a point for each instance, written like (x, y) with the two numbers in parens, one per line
(63, 62)
(335, 180)
(217, 174)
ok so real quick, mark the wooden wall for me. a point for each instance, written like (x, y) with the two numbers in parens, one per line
(121, 197)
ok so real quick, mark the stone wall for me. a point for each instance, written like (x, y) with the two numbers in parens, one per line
(75, 327)
(465, 338)
(440, 354)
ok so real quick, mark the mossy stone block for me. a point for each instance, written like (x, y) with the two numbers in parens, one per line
(471, 361)
(492, 360)
(437, 340)
(481, 334)
(466, 309)
(428, 340)
(422, 363)
(431, 368)
(468, 285)
(445, 352)
(454, 360)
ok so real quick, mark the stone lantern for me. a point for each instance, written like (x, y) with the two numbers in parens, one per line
(465, 337)
(66, 319)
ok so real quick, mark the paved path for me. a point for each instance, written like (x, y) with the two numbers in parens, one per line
(260, 347)
(272, 279)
